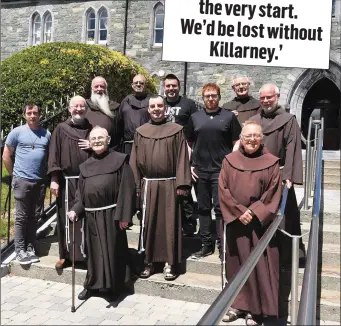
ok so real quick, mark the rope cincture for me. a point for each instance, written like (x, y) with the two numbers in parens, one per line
(67, 222)
(142, 249)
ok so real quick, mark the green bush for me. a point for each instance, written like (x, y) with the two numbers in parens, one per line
(46, 73)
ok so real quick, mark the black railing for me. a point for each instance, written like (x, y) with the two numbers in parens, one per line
(225, 299)
(7, 211)
(307, 308)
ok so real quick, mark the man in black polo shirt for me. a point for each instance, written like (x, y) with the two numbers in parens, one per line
(179, 109)
(212, 133)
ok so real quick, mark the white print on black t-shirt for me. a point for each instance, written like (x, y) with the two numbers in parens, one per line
(171, 112)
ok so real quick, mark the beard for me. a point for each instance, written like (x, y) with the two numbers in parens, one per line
(78, 119)
(272, 108)
(102, 101)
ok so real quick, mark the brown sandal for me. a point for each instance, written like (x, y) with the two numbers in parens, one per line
(169, 274)
(232, 315)
(148, 270)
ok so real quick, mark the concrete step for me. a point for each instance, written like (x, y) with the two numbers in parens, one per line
(328, 163)
(201, 288)
(328, 171)
(330, 218)
(326, 186)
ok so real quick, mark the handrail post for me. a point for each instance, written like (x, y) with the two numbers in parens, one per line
(307, 167)
(294, 280)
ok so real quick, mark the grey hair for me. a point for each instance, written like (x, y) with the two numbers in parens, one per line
(270, 84)
(99, 128)
(76, 98)
(251, 122)
(99, 78)
(239, 76)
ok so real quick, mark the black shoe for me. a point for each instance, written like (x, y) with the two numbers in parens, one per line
(85, 294)
(203, 252)
(188, 230)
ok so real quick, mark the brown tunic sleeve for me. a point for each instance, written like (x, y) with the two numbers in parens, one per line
(54, 163)
(266, 208)
(126, 200)
(133, 163)
(293, 167)
(78, 206)
(183, 169)
(230, 208)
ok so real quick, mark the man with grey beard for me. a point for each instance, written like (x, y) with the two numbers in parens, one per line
(102, 111)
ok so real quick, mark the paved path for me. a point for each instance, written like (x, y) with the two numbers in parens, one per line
(26, 301)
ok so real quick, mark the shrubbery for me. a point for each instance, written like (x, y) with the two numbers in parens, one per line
(46, 73)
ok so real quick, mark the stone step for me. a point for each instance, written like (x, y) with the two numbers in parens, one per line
(326, 186)
(330, 255)
(325, 218)
(195, 287)
(328, 171)
(328, 163)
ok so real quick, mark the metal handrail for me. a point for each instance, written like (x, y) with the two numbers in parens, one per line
(225, 299)
(307, 308)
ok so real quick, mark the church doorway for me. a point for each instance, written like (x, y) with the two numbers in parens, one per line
(324, 100)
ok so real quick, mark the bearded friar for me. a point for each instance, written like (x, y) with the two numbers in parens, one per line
(69, 148)
(282, 137)
(102, 111)
(133, 112)
(247, 212)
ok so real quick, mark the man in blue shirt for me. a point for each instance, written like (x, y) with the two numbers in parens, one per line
(28, 144)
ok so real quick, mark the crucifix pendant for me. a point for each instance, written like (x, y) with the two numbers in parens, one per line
(32, 146)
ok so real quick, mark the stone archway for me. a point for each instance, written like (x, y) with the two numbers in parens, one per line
(299, 81)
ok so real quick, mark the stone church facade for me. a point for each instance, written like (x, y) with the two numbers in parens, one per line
(135, 28)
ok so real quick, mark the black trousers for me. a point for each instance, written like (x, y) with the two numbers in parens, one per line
(187, 208)
(207, 190)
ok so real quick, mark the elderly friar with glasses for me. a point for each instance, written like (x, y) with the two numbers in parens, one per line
(106, 198)
(249, 194)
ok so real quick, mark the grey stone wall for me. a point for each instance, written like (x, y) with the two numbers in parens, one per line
(69, 23)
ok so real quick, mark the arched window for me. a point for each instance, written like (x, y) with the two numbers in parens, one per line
(91, 27)
(158, 24)
(103, 26)
(48, 28)
(36, 29)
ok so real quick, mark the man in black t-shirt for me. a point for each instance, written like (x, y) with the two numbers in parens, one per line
(211, 133)
(179, 109)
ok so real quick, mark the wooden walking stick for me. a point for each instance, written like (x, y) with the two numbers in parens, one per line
(73, 309)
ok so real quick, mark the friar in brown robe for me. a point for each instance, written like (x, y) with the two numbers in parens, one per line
(282, 138)
(106, 194)
(243, 105)
(103, 111)
(159, 159)
(133, 113)
(248, 212)
(65, 156)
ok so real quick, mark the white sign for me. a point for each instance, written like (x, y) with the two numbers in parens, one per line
(280, 33)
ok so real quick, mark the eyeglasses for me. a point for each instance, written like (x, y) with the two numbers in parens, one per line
(78, 106)
(241, 84)
(214, 96)
(269, 97)
(138, 82)
(255, 136)
(100, 138)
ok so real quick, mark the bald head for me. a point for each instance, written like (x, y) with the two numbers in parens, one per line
(269, 87)
(139, 84)
(97, 130)
(77, 99)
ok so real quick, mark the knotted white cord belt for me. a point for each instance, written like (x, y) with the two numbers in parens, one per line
(144, 206)
(67, 222)
(128, 141)
(99, 208)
